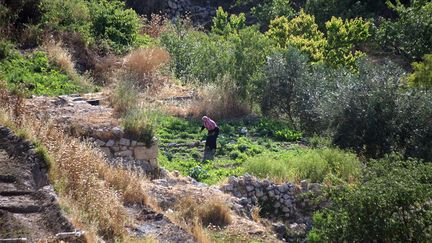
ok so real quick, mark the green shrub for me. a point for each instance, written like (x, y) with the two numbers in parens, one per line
(138, 126)
(114, 25)
(324, 10)
(373, 115)
(300, 32)
(238, 55)
(35, 73)
(390, 204)
(199, 173)
(288, 135)
(70, 16)
(410, 34)
(422, 75)
(224, 25)
(342, 37)
(336, 48)
(269, 10)
(124, 97)
(299, 164)
(193, 52)
(277, 89)
(7, 49)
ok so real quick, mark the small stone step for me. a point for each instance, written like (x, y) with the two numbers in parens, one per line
(15, 193)
(22, 209)
(7, 178)
(14, 240)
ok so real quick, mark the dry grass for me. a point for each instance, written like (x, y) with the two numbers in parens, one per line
(146, 61)
(84, 180)
(63, 59)
(60, 56)
(195, 214)
(209, 212)
(142, 64)
(124, 97)
(200, 233)
(219, 102)
(105, 69)
(256, 214)
(155, 26)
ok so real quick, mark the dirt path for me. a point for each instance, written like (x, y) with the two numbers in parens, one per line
(28, 206)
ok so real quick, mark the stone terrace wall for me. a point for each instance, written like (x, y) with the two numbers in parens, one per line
(89, 116)
(128, 150)
(278, 200)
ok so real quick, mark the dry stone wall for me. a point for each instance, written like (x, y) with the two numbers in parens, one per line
(277, 200)
(292, 204)
(131, 151)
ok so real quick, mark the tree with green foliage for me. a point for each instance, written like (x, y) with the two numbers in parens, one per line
(422, 75)
(277, 88)
(410, 35)
(300, 32)
(251, 49)
(342, 37)
(225, 24)
(392, 203)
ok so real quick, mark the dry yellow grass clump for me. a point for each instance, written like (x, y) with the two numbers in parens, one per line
(63, 59)
(209, 212)
(145, 61)
(194, 215)
(219, 102)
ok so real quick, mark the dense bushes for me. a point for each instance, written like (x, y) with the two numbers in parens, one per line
(390, 204)
(374, 114)
(209, 57)
(300, 32)
(409, 35)
(71, 16)
(106, 23)
(371, 112)
(279, 85)
(324, 10)
(113, 25)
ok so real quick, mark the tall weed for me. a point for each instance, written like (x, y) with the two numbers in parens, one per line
(311, 164)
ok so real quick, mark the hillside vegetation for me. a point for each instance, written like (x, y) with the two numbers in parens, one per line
(332, 92)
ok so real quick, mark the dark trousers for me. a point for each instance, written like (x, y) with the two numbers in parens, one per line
(211, 138)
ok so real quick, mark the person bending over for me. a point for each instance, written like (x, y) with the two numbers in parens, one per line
(213, 132)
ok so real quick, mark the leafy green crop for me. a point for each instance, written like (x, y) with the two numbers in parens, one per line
(34, 73)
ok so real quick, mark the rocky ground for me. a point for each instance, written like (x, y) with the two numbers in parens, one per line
(169, 190)
(28, 205)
